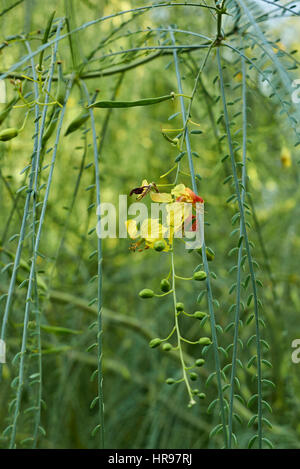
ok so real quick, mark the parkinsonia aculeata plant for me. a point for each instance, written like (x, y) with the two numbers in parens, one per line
(42, 85)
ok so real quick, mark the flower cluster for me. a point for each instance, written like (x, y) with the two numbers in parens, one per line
(183, 208)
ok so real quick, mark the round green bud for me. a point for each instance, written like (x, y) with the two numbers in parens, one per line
(8, 134)
(167, 347)
(205, 341)
(201, 395)
(195, 391)
(199, 315)
(155, 342)
(146, 293)
(170, 381)
(180, 306)
(193, 376)
(200, 362)
(159, 245)
(165, 285)
(200, 275)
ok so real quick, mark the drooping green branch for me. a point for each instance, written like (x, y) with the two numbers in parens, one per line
(249, 256)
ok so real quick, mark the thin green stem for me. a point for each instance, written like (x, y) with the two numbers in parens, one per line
(99, 274)
(184, 278)
(38, 355)
(179, 338)
(198, 77)
(170, 335)
(239, 264)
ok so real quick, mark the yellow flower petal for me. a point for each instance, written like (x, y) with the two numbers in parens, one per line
(151, 229)
(178, 190)
(131, 227)
(175, 214)
(175, 218)
(162, 197)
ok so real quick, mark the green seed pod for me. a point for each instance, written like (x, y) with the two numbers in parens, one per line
(199, 276)
(195, 391)
(205, 341)
(170, 381)
(7, 109)
(179, 306)
(165, 285)
(45, 39)
(201, 395)
(167, 347)
(193, 376)
(8, 134)
(155, 343)
(77, 123)
(49, 131)
(126, 104)
(200, 362)
(61, 92)
(199, 314)
(146, 293)
(159, 245)
(4, 114)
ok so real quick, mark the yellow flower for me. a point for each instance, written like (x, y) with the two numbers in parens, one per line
(184, 194)
(181, 193)
(179, 217)
(150, 232)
